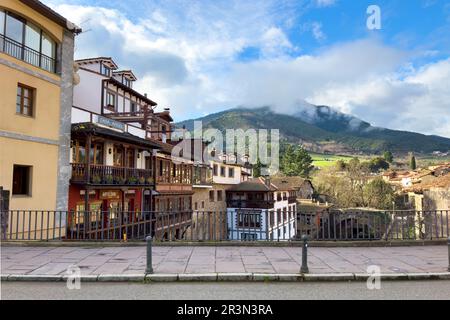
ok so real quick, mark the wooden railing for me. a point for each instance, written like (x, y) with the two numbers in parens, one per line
(110, 175)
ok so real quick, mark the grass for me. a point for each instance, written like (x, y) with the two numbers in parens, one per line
(327, 160)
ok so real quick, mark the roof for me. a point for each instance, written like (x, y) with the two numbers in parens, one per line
(126, 137)
(164, 115)
(126, 72)
(254, 184)
(438, 182)
(52, 15)
(108, 60)
(130, 90)
(284, 183)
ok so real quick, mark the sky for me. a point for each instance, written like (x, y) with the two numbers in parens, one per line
(205, 56)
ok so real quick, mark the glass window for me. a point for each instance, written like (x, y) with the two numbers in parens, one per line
(2, 22)
(14, 28)
(111, 100)
(32, 36)
(105, 70)
(24, 101)
(48, 46)
(21, 180)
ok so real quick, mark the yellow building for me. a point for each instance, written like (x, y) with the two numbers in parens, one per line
(36, 93)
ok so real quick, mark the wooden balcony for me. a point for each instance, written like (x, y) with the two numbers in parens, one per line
(250, 204)
(109, 175)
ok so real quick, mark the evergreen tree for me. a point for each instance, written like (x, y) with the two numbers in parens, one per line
(296, 162)
(412, 162)
(388, 156)
(257, 169)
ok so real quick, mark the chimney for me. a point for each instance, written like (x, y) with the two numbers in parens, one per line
(267, 181)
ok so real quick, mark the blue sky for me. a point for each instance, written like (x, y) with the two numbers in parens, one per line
(199, 57)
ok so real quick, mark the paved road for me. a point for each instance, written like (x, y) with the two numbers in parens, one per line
(191, 259)
(229, 291)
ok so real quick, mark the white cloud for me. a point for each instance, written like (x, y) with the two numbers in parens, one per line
(185, 57)
(325, 3)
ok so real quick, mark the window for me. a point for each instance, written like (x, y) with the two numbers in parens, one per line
(104, 70)
(21, 180)
(215, 170)
(24, 101)
(231, 172)
(118, 156)
(2, 23)
(248, 219)
(222, 171)
(133, 107)
(24, 40)
(203, 204)
(111, 101)
(14, 27)
(249, 236)
(96, 153)
(219, 195)
(211, 196)
(78, 152)
(195, 206)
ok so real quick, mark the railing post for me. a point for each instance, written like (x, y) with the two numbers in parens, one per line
(304, 267)
(448, 245)
(149, 268)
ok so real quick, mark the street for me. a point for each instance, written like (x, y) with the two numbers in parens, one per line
(404, 290)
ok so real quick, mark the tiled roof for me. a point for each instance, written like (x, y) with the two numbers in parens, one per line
(438, 182)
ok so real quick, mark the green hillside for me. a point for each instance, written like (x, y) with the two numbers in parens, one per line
(325, 132)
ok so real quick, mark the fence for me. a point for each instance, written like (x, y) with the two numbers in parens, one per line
(22, 52)
(238, 225)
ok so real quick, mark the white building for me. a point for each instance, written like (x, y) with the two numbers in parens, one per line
(257, 209)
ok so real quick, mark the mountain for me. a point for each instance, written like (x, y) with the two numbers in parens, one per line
(323, 129)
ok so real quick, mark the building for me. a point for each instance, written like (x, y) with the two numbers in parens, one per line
(105, 95)
(36, 67)
(211, 180)
(258, 209)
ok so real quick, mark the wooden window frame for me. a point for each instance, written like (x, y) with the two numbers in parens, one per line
(31, 98)
(108, 106)
(29, 181)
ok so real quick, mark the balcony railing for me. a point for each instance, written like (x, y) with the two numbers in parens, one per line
(250, 204)
(22, 52)
(109, 175)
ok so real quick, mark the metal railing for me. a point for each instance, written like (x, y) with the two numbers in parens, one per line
(231, 225)
(27, 54)
(109, 175)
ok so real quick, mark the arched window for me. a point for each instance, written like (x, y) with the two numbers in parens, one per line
(26, 41)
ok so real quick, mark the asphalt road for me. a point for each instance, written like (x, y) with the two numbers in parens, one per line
(228, 291)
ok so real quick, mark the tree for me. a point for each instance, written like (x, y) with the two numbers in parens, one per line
(388, 156)
(378, 164)
(257, 169)
(412, 162)
(379, 194)
(296, 162)
(341, 165)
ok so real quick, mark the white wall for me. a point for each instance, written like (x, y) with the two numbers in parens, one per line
(109, 158)
(88, 93)
(226, 180)
(281, 230)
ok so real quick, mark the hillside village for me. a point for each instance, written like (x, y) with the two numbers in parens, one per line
(103, 165)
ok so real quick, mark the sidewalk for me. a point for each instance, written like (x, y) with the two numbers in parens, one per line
(122, 261)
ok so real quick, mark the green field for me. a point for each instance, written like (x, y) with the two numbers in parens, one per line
(327, 160)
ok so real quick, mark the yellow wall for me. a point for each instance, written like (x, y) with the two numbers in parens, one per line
(44, 123)
(43, 158)
(46, 113)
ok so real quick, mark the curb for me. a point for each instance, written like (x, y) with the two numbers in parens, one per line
(228, 277)
(297, 243)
